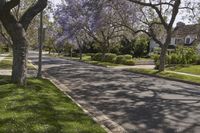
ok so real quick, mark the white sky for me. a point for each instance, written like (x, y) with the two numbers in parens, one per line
(56, 1)
(178, 19)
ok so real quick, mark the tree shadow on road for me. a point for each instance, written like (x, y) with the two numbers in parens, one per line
(139, 103)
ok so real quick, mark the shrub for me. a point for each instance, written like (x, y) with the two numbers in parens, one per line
(109, 57)
(174, 59)
(97, 57)
(128, 57)
(183, 55)
(120, 59)
(198, 60)
(129, 62)
(155, 57)
(157, 65)
(90, 54)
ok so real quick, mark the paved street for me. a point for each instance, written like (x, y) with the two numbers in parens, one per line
(138, 103)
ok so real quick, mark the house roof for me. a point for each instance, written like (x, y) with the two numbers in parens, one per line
(184, 30)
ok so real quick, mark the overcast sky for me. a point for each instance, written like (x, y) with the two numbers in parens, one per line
(179, 17)
(56, 1)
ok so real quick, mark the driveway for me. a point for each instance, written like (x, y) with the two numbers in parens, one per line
(140, 104)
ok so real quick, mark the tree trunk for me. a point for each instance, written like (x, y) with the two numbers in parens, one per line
(164, 51)
(19, 68)
(81, 54)
(39, 74)
(162, 58)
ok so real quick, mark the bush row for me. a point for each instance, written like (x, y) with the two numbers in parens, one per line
(113, 58)
(182, 55)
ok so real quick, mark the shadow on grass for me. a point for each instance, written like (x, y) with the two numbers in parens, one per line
(40, 108)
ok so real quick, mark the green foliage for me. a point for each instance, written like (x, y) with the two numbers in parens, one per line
(97, 57)
(113, 58)
(129, 62)
(109, 57)
(183, 55)
(141, 47)
(121, 59)
(155, 57)
(167, 75)
(198, 60)
(41, 108)
(128, 57)
(191, 69)
(126, 46)
(137, 47)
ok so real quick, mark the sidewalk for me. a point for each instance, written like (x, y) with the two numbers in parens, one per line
(3, 56)
(188, 74)
(136, 66)
(4, 72)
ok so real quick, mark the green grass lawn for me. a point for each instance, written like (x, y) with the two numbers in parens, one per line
(40, 108)
(7, 64)
(167, 75)
(191, 69)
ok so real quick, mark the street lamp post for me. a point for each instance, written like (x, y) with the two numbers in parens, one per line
(40, 40)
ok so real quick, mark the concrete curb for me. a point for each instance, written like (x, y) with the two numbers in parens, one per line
(106, 123)
(171, 79)
(156, 76)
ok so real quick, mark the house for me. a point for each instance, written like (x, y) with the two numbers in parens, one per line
(186, 35)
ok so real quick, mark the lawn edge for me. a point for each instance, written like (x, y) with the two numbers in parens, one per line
(167, 78)
(106, 123)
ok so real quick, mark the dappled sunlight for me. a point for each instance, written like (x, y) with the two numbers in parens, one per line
(40, 107)
(138, 103)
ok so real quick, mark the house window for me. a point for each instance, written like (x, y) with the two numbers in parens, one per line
(187, 40)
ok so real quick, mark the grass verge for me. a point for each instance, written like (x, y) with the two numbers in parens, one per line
(191, 69)
(167, 75)
(7, 64)
(87, 59)
(40, 108)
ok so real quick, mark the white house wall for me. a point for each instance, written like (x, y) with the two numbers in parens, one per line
(154, 45)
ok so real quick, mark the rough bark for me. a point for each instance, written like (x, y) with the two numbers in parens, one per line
(164, 51)
(20, 45)
(39, 74)
(162, 58)
(17, 32)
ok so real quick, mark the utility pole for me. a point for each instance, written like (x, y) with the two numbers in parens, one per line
(40, 40)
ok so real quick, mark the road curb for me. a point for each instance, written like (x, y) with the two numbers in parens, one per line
(156, 76)
(106, 123)
(166, 78)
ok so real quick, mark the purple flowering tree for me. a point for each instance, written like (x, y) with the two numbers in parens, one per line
(82, 20)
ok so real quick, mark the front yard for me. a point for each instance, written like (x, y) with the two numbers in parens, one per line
(191, 69)
(167, 74)
(39, 108)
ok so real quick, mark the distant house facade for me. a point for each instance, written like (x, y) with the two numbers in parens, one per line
(186, 35)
